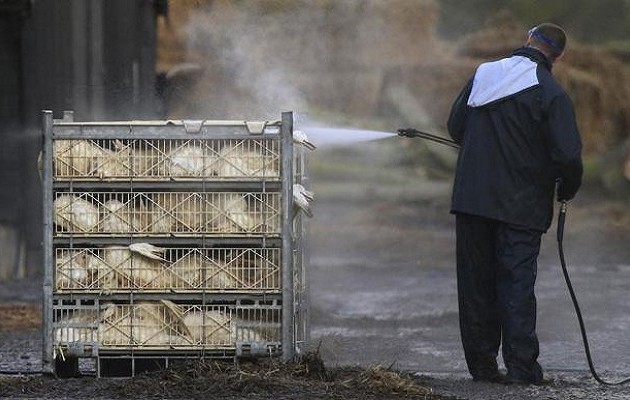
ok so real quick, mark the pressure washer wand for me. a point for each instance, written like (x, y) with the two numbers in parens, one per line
(412, 133)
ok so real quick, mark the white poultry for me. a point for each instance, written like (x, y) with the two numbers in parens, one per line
(78, 269)
(141, 268)
(114, 163)
(238, 160)
(302, 199)
(193, 271)
(72, 270)
(76, 158)
(144, 323)
(191, 160)
(230, 214)
(148, 250)
(76, 327)
(300, 137)
(75, 214)
(116, 217)
(177, 212)
(211, 327)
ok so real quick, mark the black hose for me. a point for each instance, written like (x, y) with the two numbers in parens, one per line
(560, 234)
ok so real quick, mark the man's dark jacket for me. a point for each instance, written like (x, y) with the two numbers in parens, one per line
(518, 134)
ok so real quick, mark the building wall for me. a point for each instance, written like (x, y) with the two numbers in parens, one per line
(95, 57)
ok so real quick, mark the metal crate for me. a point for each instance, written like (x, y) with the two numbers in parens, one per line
(171, 239)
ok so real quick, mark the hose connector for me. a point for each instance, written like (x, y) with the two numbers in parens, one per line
(561, 217)
(563, 206)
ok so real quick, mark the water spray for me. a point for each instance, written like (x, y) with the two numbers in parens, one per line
(413, 133)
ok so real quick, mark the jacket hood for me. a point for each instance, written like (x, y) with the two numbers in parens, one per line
(533, 54)
(497, 80)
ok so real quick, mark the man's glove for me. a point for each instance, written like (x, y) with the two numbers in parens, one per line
(563, 192)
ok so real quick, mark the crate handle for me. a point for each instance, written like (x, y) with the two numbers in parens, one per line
(256, 127)
(193, 126)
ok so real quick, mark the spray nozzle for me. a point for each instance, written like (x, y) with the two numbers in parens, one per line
(408, 132)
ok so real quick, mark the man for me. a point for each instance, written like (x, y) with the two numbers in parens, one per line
(519, 142)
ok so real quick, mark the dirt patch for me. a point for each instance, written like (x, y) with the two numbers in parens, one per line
(224, 380)
(20, 317)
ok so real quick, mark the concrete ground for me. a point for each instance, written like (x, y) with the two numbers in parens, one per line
(383, 288)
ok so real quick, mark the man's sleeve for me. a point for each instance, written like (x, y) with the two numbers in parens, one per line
(566, 146)
(457, 120)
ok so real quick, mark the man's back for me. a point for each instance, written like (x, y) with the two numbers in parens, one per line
(515, 124)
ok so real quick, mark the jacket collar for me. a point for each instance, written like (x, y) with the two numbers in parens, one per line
(533, 54)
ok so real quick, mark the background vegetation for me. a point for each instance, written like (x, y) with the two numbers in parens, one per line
(591, 21)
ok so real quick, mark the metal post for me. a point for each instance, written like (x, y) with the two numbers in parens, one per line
(288, 340)
(47, 256)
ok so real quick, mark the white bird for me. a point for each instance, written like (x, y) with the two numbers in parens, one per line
(309, 195)
(191, 160)
(116, 217)
(232, 214)
(209, 327)
(238, 160)
(302, 199)
(72, 270)
(138, 265)
(148, 250)
(75, 214)
(301, 138)
(114, 163)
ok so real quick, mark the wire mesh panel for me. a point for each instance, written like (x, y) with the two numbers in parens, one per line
(144, 267)
(166, 213)
(166, 159)
(75, 322)
(154, 325)
(159, 324)
(258, 323)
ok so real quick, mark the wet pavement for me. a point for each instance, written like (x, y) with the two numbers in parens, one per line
(383, 290)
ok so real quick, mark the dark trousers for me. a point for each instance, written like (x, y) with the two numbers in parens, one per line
(496, 273)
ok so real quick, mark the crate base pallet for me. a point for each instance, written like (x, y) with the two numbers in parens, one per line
(124, 364)
(112, 363)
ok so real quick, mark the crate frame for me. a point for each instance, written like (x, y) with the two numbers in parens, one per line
(292, 301)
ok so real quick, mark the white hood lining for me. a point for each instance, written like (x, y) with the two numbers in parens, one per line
(499, 79)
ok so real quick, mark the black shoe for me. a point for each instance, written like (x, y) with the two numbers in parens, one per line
(485, 370)
(525, 376)
(517, 380)
(490, 376)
